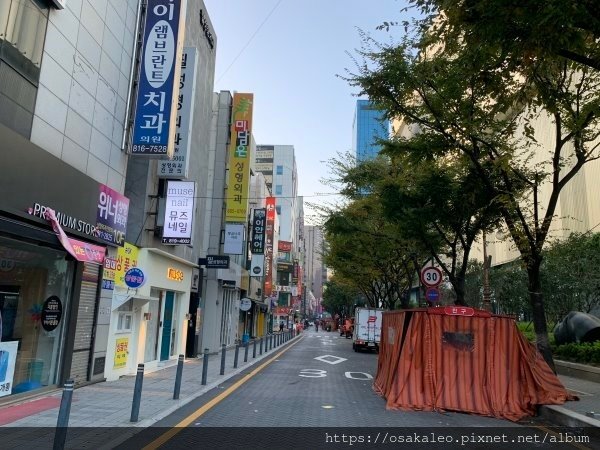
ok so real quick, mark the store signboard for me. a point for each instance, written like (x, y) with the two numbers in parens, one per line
(234, 239)
(238, 181)
(153, 132)
(179, 165)
(179, 212)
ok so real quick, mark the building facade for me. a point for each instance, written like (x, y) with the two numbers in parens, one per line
(368, 126)
(63, 92)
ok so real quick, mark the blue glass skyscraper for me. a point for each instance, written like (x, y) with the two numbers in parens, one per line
(369, 126)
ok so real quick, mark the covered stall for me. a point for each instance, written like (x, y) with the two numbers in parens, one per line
(462, 359)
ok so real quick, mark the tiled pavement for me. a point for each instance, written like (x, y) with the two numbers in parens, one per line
(108, 404)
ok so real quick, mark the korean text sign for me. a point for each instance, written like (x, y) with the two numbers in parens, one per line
(179, 212)
(178, 166)
(111, 220)
(259, 221)
(270, 231)
(239, 159)
(153, 131)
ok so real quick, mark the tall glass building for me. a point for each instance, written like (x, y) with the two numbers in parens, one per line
(369, 126)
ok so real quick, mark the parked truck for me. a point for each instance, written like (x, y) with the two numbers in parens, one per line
(367, 329)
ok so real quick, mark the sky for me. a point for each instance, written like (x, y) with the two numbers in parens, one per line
(288, 53)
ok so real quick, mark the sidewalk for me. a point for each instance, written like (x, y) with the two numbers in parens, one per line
(582, 413)
(100, 413)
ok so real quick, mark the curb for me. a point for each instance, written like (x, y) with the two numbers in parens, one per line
(564, 417)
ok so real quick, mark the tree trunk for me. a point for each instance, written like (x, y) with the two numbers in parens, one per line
(459, 289)
(536, 300)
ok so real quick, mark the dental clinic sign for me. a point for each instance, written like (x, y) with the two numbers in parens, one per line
(154, 125)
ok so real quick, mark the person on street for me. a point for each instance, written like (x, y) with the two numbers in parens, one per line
(281, 326)
(316, 325)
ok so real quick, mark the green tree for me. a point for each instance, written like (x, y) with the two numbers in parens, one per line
(475, 99)
(339, 298)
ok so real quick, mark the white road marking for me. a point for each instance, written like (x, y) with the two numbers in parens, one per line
(367, 376)
(330, 359)
(313, 373)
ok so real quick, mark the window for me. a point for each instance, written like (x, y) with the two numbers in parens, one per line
(125, 322)
(278, 189)
(279, 170)
(278, 209)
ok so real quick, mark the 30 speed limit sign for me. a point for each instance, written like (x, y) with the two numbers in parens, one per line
(431, 276)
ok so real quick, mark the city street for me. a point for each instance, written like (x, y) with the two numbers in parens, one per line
(317, 381)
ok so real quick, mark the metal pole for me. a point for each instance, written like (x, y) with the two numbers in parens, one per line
(261, 344)
(254, 348)
(137, 393)
(223, 353)
(235, 358)
(178, 375)
(60, 435)
(486, 276)
(246, 352)
(204, 366)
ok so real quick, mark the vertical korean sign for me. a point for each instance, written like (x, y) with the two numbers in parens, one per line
(121, 352)
(270, 231)
(179, 212)
(153, 132)
(179, 165)
(239, 159)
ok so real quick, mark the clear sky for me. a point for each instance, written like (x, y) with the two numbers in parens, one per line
(288, 53)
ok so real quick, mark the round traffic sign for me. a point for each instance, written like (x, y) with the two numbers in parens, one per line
(431, 276)
(134, 278)
(245, 304)
(432, 294)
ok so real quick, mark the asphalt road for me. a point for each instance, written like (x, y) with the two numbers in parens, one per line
(310, 392)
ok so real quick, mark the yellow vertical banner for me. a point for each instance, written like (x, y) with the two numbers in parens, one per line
(127, 257)
(121, 352)
(238, 182)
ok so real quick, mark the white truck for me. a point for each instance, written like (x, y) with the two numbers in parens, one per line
(367, 329)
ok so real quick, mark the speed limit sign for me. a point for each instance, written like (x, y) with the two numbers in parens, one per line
(431, 276)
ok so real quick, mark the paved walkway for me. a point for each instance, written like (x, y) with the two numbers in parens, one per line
(100, 413)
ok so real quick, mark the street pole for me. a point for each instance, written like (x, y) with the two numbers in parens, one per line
(487, 261)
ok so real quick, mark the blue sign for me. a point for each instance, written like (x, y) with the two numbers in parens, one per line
(134, 278)
(432, 294)
(155, 109)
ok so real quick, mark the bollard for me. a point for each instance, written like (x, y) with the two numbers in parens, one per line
(60, 435)
(178, 375)
(254, 349)
(205, 367)
(261, 344)
(271, 342)
(235, 358)
(137, 393)
(223, 354)
(246, 352)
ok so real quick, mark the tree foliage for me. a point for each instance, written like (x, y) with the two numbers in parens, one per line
(482, 98)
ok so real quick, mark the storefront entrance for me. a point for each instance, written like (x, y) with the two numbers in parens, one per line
(35, 289)
(168, 334)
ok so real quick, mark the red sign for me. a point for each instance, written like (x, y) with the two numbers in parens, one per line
(372, 319)
(80, 250)
(284, 246)
(458, 311)
(270, 227)
(431, 276)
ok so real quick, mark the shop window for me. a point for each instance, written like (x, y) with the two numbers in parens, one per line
(35, 291)
(125, 322)
(278, 189)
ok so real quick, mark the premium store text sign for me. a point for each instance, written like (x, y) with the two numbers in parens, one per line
(154, 125)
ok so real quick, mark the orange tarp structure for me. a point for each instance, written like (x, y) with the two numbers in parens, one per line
(432, 360)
